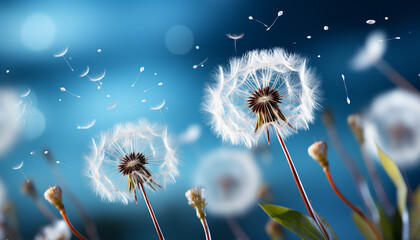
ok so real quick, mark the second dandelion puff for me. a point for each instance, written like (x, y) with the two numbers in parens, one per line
(132, 156)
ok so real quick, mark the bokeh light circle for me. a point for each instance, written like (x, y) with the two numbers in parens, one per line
(38, 32)
(179, 40)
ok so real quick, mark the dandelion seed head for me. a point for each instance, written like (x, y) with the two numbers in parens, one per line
(56, 230)
(231, 179)
(128, 155)
(263, 88)
(392, 122)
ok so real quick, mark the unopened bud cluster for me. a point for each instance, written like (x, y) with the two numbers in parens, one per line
(318, 151)
(196, 200)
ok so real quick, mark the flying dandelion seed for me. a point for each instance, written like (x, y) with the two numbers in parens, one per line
(158, 107)
(63, 55)
(280, 13)
(235, 37)
(371, 53)
(65, 90)
(98, 78)
(84, 73)
(112, 106)
(345, 87)
(251, 18)
(88, 125)
(370, 21)
(191, 134)
(19, 167)
(231, 178)
(159, 84)
(201, 64)
(389, 39)
(326, 28)
(25, 94)
(60, 163)
(138, 75)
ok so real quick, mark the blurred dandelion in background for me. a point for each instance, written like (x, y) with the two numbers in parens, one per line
(392, 122)
(231, 179)
(56, 230)
(371, 53)
(11, 119)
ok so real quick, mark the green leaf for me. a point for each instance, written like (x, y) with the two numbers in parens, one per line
(395, 175)
(300, 224)
(327, 227)
(386, 225)
(366, 231)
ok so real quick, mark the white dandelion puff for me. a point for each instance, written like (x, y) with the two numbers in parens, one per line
(56, 230)
(392, 122)
(263, 88)
(88, 125)
(129, 156)
(231, 179)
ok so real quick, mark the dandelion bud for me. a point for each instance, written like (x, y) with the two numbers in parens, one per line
(53, 195)
(327, 118)
(265, 194)
(318, 151)
(355, 123)
(28, 188)
(196, 200)
(273, 229)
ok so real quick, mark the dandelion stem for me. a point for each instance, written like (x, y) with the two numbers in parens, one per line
(395, 77)
(344, 199)
(206, 228)
(236, 229)
(299, 184)
(376, 182)
(361, 184)
(152, 214)
(78, 235)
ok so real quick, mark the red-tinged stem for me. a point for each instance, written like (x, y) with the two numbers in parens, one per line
(75, 232)
(355, 209)
(206, 228)
(299, 184)
(152, 214)
(389, 72)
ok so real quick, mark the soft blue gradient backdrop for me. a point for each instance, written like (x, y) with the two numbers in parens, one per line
(131, 35)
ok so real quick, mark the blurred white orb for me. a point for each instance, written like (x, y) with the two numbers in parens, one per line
(371, 53)
(38, 32)
(392, 121)
(179, 40)
(231, 179)
(34, 124)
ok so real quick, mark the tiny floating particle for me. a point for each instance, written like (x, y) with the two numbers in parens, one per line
(32, 153)
(386, 18)
(45, 152)
(197, 47)
(7, 71)
(326, 28)
(370, 21)
(309, 37)
(59, 99)
(144, 100)
(108, 96)
(99, 50)
(319, 56)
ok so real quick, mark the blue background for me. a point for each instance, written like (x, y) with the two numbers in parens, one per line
(132, 34)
